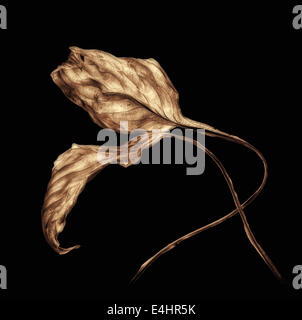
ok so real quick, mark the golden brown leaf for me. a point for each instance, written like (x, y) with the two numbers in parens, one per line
(114, 90)
(71, 171)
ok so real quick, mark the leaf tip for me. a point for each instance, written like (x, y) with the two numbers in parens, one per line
(62, 251)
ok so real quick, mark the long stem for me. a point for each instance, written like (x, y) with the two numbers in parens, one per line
(239, 207)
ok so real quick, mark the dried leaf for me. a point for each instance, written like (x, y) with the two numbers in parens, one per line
(113, 90)
(71, 171)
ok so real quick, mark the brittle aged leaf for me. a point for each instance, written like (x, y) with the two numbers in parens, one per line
(71, 171)
(114, 90)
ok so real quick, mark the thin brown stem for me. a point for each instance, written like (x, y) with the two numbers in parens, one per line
(239, 207)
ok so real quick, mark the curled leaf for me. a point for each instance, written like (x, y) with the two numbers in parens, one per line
(114, 90)
(71, 171)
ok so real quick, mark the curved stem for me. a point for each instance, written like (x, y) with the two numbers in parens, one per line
(239, 207)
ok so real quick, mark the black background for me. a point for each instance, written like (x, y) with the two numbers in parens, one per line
(236, 67)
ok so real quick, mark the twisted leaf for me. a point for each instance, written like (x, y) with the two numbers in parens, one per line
(113, 90)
